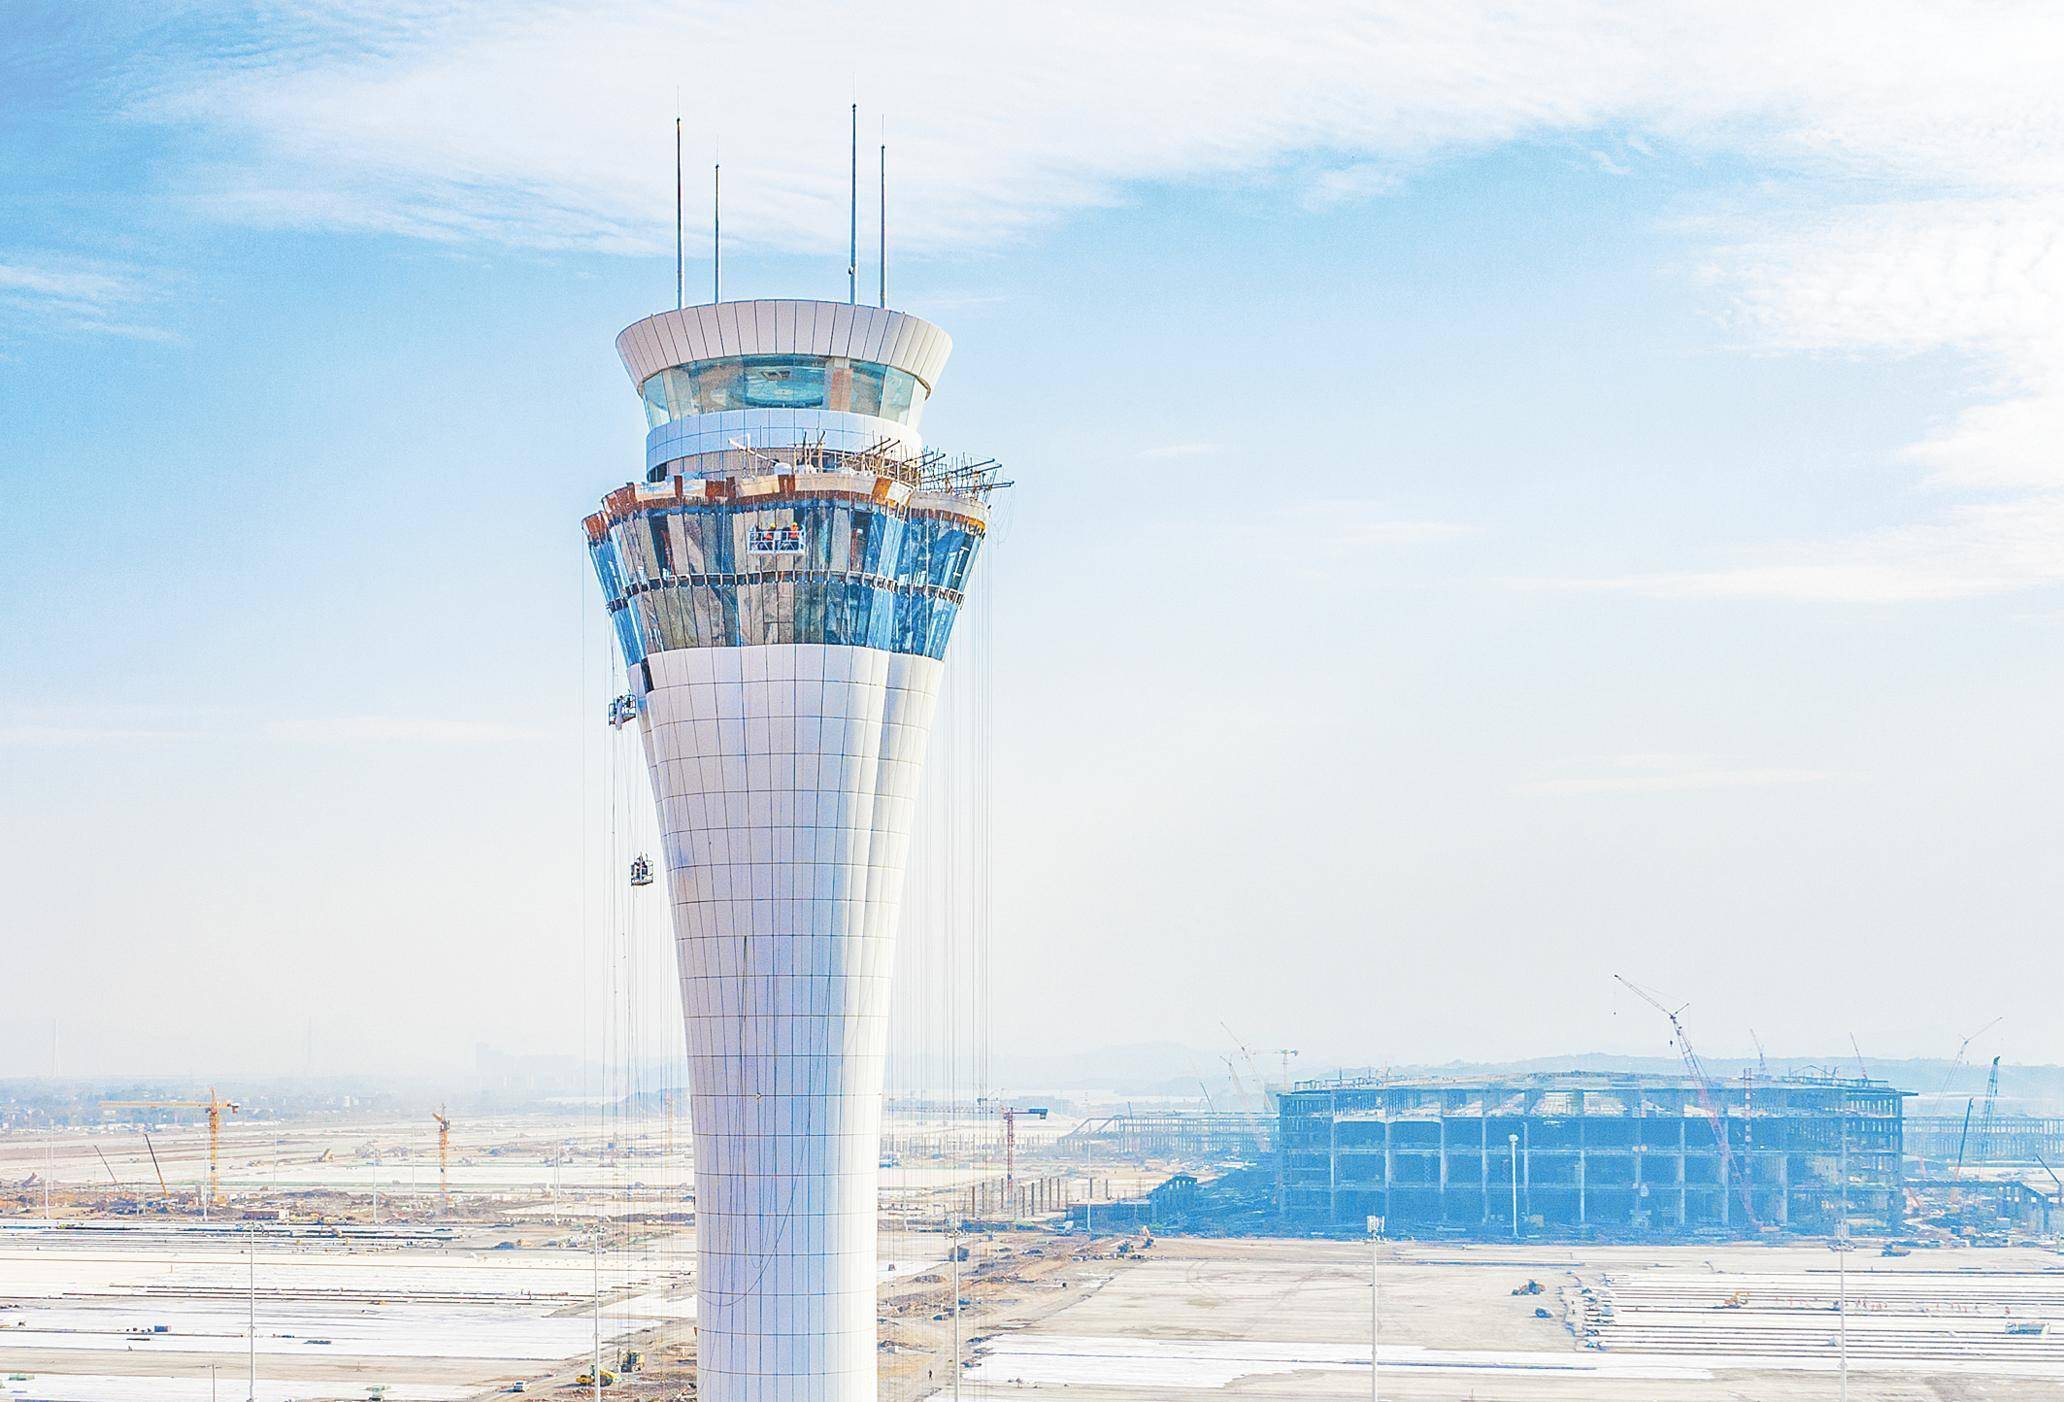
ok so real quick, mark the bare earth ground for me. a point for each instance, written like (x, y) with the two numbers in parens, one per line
(494, 1282)
(1048, 1318)
(1290, 1319)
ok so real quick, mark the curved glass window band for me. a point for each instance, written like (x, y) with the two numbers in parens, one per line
(828, 570)
(783, 382)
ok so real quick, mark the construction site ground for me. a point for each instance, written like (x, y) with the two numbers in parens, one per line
(486, 1274)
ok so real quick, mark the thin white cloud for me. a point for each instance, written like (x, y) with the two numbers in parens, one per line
(1347, 525)
(310, 730)
(1371, 530)
(1912, 156)
(1351, 184)
(1981, 276)
(1167, 451)
(1660, 773)
(57, 736)
(407, 730)
(41, 291)
(546, 123)
(1974, 550)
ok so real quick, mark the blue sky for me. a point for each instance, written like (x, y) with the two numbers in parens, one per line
(1672, 399)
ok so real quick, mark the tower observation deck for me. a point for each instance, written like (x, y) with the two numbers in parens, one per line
(783, 582)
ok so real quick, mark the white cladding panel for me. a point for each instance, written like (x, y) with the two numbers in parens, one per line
(779, 327)
(787, 781)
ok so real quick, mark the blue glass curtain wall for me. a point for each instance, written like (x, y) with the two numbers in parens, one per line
(812, 569)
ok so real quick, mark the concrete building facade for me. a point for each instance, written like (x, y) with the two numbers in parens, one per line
(783, 583)
(1580, 1154)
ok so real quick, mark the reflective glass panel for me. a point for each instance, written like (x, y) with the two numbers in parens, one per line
(782, 382)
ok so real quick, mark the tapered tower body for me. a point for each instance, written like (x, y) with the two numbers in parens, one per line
(783, 583)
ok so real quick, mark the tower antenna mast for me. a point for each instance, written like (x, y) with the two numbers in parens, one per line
(853, 219)
(884, 167)
(717, 228)
(680, 253)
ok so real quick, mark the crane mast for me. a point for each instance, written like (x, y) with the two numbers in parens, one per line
(1985, 1119)
(443, 1155)
(1009, 1115)
(1702, 1082)
(214, 1105)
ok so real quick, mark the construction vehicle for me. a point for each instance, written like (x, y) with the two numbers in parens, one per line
(156, 1167)
(215, 1106)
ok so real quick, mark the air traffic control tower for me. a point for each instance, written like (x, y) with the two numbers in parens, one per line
(783, 582)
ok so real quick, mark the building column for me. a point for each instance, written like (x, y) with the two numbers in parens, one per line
(1583, 1164)
(1483, 1162)
(1387, 1166)
(1526, 1167)
(1639, 1210)
(1333, 1162)
(1683, 1187)
(1443, 1164)
(1723, 1164)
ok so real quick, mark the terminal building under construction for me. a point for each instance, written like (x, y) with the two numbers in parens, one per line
(1591, 1155)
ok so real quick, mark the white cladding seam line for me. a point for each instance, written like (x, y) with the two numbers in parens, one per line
(874, 827)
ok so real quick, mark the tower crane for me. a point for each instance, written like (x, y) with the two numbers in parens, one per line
(1985, 1119)
(443, 1155)
(1703, 1082)
(1246, 1052)
(2053, 1176)
(215, 1106)
(1009, 1115)
(1233, 1074)
(1956, 1174)
(1956, 1063)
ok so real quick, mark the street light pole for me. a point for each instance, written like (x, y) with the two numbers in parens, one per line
(1842, 1304)
(1375, 1307)
(251, 1318)
(1842, 1271)
(1512, 1142)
